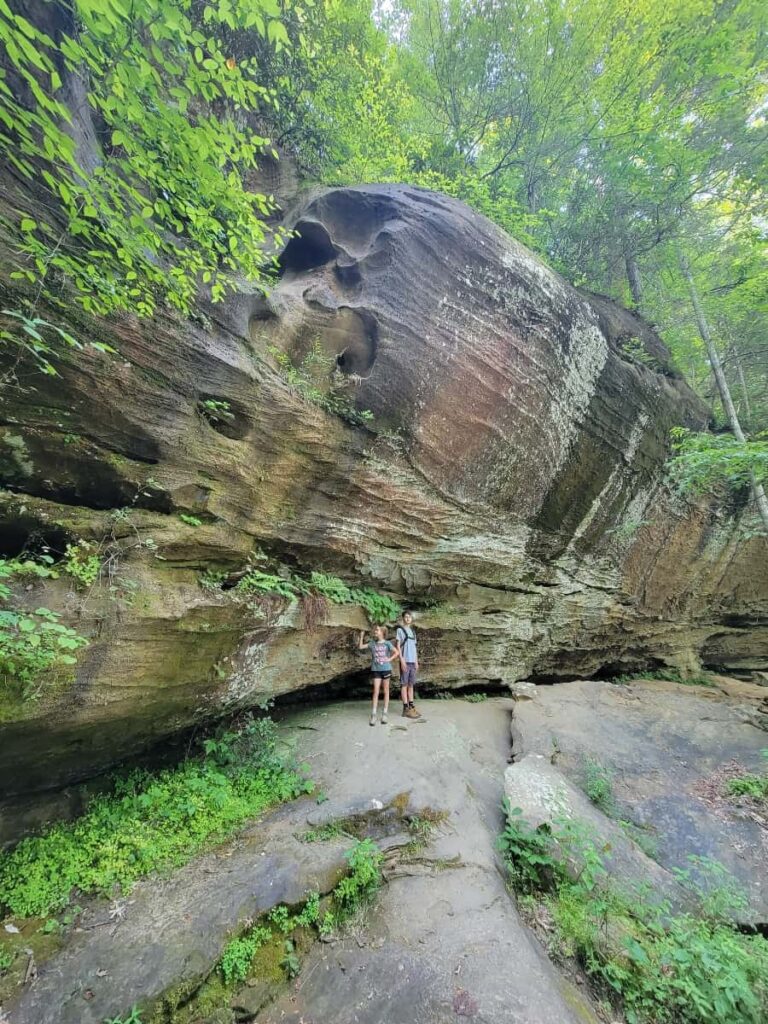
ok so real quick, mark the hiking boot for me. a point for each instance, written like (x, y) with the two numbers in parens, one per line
(406, 709)
(373, 719)
(411, 713)
(384, 718)
(414, 708)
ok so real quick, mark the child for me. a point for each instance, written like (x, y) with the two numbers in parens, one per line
(382, 653)
(409, 665)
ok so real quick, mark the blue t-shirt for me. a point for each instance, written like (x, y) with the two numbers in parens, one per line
(407, 640)
(381, 655)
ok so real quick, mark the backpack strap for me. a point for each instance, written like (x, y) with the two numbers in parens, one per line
(402, 635)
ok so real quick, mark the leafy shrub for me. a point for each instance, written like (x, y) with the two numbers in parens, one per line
(32, 643)
(527, 851)
(476, 698)
(149, 822)
(703, 462)
(82, 563)
(665, 968)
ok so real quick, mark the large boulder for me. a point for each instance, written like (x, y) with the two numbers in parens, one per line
(546, 798)
(510, 482)
(667, 751)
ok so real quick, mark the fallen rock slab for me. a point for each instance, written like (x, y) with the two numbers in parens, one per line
(170, 932)
(546, 797)
(664, 745)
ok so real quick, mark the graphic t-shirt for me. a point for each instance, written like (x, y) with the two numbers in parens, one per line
(381, 655)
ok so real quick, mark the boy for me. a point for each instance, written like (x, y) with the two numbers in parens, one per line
(409, 664)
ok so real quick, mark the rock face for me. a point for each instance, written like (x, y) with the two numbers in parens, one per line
(509, 483)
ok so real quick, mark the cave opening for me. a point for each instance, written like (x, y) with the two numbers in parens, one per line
(27, 536)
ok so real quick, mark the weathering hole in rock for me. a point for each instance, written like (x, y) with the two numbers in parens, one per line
(310, 248)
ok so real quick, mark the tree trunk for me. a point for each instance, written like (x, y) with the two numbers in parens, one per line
(742, 382)
(722, 384)
(633, 276)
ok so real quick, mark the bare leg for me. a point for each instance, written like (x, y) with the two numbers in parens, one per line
(376, 686)
(386, 696)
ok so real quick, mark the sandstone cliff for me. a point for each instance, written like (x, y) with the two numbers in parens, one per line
(509, 483)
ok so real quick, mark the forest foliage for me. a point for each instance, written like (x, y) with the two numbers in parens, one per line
(615, 138)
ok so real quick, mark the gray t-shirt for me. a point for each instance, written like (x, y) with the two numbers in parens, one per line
(407, 640)
(381, 655)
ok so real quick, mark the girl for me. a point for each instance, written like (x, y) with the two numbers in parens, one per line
(382, 653)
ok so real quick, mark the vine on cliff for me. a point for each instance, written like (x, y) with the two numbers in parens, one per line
(160, 203)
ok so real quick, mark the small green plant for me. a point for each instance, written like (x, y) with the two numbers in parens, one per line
(134, 1017)
(238, 955)
(627, 529)
(6, 959)
(669, 675)
(212, 579)
(332, 830)
(33, 644)
(24, 569)
(636, 351)
(527, 851)
(357, 888)
(257, 582)
(476, 698)
(82, 563)
(379, 608)
(190, 520)
(216, 410)
(754, 786)
(364, 876)
(642, 835)
(310, 380)
(599, 784)
(290, 962)
(236, 960)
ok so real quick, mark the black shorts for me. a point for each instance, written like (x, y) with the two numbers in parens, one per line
(384, 676)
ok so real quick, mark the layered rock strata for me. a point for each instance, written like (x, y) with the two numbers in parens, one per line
(509, 483)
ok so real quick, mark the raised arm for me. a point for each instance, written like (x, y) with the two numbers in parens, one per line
(361, 644)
